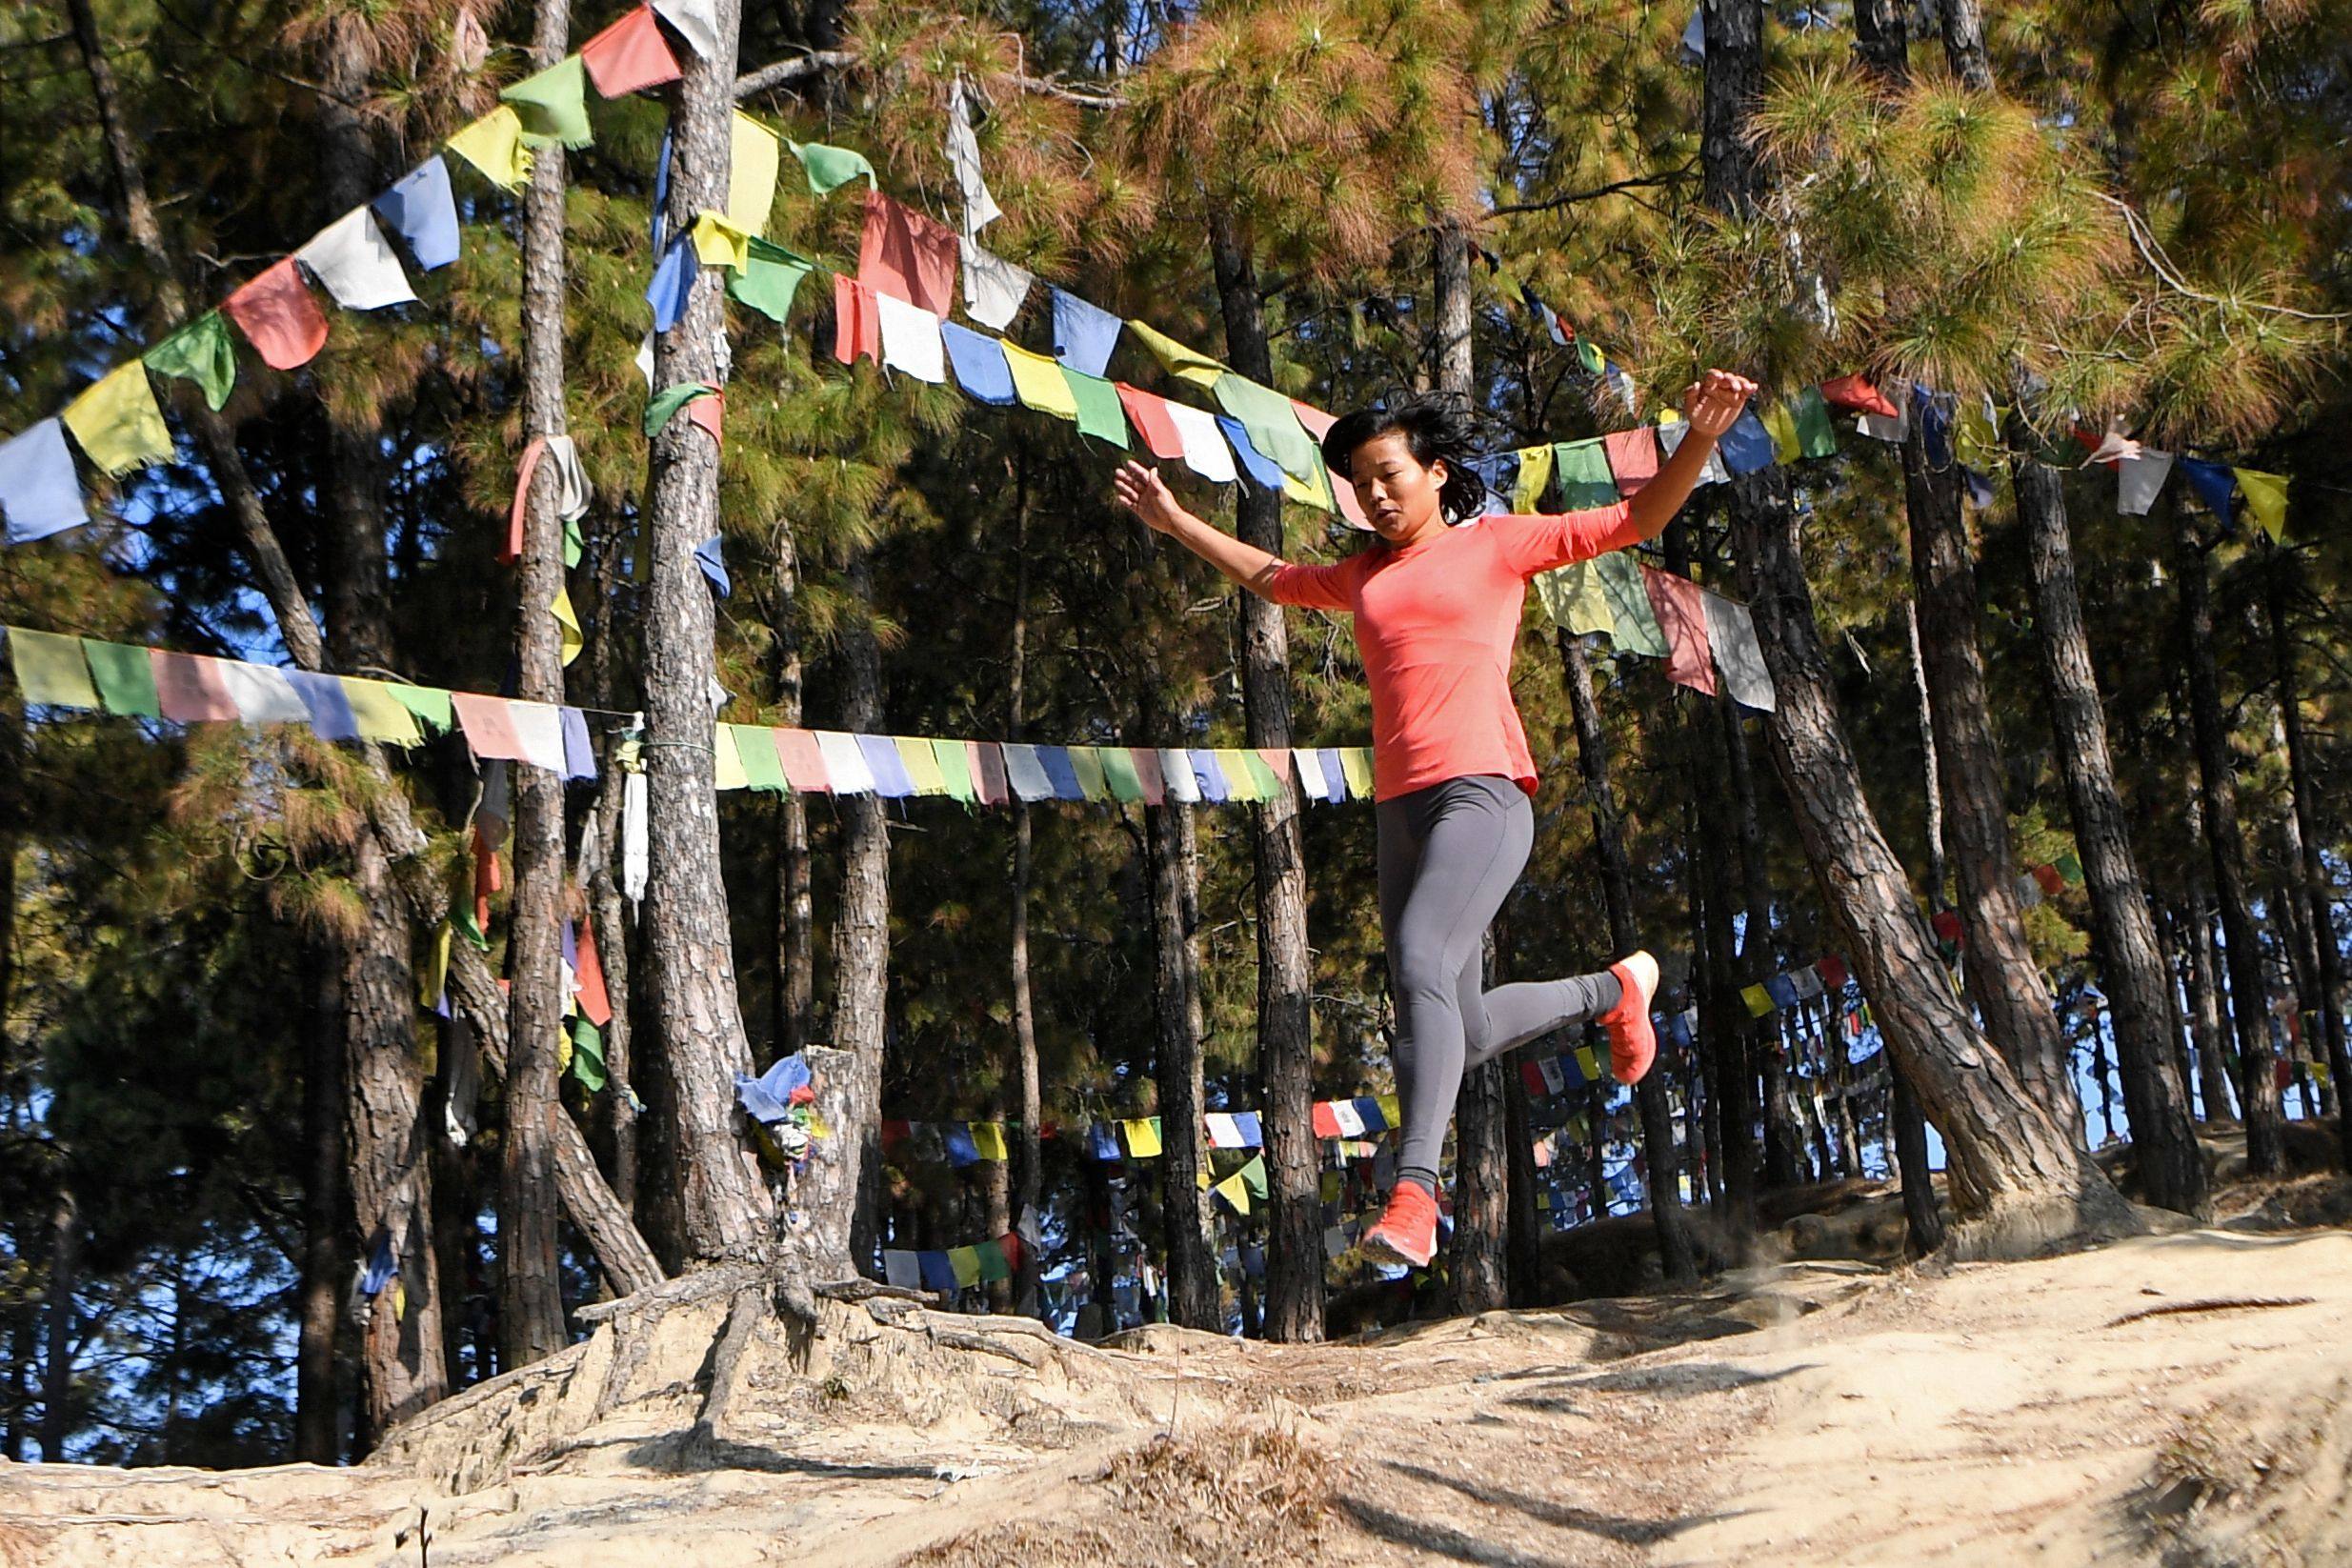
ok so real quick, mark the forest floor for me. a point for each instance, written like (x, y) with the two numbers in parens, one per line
(2178, 1399)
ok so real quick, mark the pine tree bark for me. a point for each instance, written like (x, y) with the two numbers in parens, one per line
(2017, 1180)
(531, 1307)
(2316, 885)
(59, 1339)
(1192, 1298)
(318, 1423)
(795, 953)
(1024, 1003)
(1294, 1310)
(1675, 1256)
(2257, 1090)
(2001, 976)
(722, 1206)
(1963, 43)
(2166, 1156)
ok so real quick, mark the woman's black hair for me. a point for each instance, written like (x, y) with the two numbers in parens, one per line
(1435, 426)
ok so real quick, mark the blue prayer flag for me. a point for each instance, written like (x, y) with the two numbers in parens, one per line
(1746, 448)
(422, 211)
(1061, 773)
(956, 1137)
(1335, 776)
(1210, 776)
(1252, 1132)
(768, 1097)
(1105, 1140)
(1083, 334)
(674, 280)
(1264, 471)
(331, 710)
(380, 1264)
(714, 566)
(1782, 990)
(2214, 484)
(579, 757)
(1934, 412)
(890, 779)
(938, 1274)
(980, 366)
(39, 495)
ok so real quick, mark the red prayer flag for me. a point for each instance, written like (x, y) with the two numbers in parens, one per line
(1277, 758)
(513, 550)
(804, 764)
(279, 316)
(1832, 970)
(896, 1130)
(988, 773)
(1148, 413)
(1532, 1075)
(189, 688)
(1315, 422)
(588, 972)
(486, 880)
(2048, 879)
(1326, 1122)
(630, 57)
(1947, 925)
(907, 256)
(1633, 457)
(706, 412)
(1147, 771)
(1010, 1242)
(1680, 607)
(1856, 395)
(858, 323)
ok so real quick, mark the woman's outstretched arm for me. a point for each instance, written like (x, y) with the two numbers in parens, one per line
(1711, 404)
(1143, 492)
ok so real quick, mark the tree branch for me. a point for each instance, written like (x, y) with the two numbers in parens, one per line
(803, 65)
(1672, 176)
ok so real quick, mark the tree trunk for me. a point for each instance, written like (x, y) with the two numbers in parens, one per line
(796, 953)
(2165, 1158)
(723, 1208)
(1759, 955)
(1881, 40)
(2316, 885)
(1676, 1258)
(1963, 43)
(1024, 1004)
(2002, 979)
(860, 952)
(2257, 1090)
(2015, 1178)
(531, 1306)
(1294, 1312)
(1482, 1194)
(318, 1423)
(65, 1232)
(1193, 1298)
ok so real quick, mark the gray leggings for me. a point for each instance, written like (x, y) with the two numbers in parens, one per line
(1449, 854)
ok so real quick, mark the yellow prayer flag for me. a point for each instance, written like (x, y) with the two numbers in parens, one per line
(1588, 1063)
(1235, 1191)
(1573, 597)
(1782, 423)
(922, 764)
(1758, 1000)
(988, 1138)
(493, 144)
(1184, 364)
(436, 973)
(117, 423)
(728, 768)
(751, 162)
(719, 243)
(966, 1262)
(381, 715)
(1203, 1173)
(1392, 1111)
(2265, 496)
(1356, 762)
(569, 621)
(1143, 1138)
(1038, 382)
(51, 670)
(1535, 475)
(1317, 495)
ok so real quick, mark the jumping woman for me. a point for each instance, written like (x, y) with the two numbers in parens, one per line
(1437, 599)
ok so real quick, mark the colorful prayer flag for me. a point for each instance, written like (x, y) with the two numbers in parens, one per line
(200, 351)
(116, 423)
(630, 57)
(753, 154)
(493, 145)
(422, 210)
(1682, 614)
(552, 105)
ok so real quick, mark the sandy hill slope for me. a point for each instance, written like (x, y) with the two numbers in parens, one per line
(2184, 1399)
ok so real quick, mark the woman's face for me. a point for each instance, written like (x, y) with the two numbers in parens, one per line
(1399, 496)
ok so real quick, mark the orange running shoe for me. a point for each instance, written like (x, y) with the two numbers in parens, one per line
(1632, 1044)
(1408, 1231)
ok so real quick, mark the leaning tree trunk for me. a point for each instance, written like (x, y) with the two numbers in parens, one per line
(1294, 1310)
(698, 1045)
(1675, 1253)
(530, 1305)
(847, 1240)
(2316, 884)
(2166, 1156)
(1483, 1196)
(1923, 1219)
(2002, 979)
(2017, 1180)
(2257, 1090)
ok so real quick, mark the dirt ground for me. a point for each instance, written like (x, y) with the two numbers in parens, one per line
(2174, 1398)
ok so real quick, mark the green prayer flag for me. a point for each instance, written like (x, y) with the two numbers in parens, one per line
(664, 405)
(429, 703)
(1571, 596)
(1263, 784)
(1253, 1175)
(1100, 413)
(1585, 480)
(1816, 433)
(762, 768)
(1589, 355)
(994, 1264)
(1118, 767)
(462, 917)
(2070, 870)
(126, 678)
(966, 1262)
(1273, 424)
(1087, 764)
(201, 352)
(50, 669)
(1636, 630)
(956, 770)
(576, 544)
(830, 168)
(768, 280)
(554, 105)
(587, 1054)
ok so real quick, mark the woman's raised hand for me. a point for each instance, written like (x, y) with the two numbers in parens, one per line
(1713, 402)
(1142, 492)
